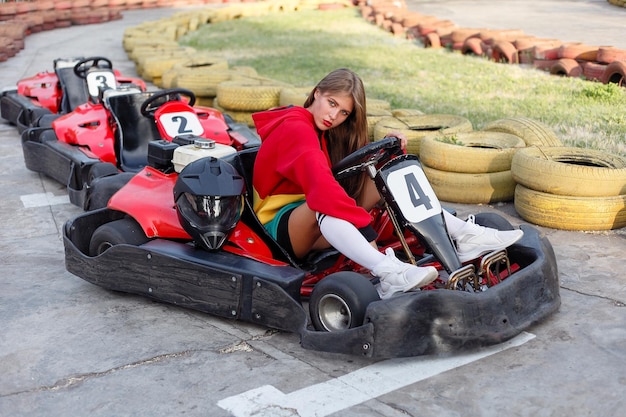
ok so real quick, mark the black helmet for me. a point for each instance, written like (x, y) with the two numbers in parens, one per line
(209, 200)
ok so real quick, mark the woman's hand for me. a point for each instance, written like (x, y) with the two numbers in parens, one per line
(399, 135)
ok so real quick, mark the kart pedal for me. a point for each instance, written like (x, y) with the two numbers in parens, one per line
(463, 276)
(491, 263)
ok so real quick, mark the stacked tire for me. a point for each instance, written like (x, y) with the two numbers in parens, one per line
(416, 127)
(570, 188)
(470, 167)
(247, 95)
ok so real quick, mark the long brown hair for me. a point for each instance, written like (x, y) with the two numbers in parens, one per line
(352, 133)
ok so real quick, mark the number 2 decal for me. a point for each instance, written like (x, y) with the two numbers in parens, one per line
(181, 123)
(413, 193)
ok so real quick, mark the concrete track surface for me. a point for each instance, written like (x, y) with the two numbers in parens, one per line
(70, 348)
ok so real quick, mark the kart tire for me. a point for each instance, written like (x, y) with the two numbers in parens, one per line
(458, 187)
(470, 152)
(45, 120)
(570, 213)
(101, 169)
(101, 189)
(123, 231)
(339, 301)
(570, 171)
(531, 131)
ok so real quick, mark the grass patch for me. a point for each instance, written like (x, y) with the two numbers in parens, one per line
(301, 47)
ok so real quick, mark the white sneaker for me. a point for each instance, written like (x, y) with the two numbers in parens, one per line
(474, 240)
(397, 276)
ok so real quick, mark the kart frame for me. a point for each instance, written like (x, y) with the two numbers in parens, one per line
(268, 292)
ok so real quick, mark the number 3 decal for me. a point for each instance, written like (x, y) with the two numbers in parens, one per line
(412, 191)
(100, 80)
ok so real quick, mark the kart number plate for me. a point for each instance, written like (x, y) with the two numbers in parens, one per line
(415, 197)
(181, 123)
(97, 80)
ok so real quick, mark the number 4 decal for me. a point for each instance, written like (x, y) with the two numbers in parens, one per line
(412, 191)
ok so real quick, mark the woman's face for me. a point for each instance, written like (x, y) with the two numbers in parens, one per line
(330, 110)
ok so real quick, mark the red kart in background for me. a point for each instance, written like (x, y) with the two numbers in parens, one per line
(39, 99)
(111, 135)
(187, 234)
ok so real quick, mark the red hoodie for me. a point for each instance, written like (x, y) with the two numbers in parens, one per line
(293, 164)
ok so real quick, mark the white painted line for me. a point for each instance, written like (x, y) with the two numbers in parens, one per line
(354, 388)
(43, 200)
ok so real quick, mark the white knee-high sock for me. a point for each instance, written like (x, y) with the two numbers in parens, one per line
(347, 239)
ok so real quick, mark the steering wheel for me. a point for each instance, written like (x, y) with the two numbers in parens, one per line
(160, 98)
(370, 154)
(84, 65)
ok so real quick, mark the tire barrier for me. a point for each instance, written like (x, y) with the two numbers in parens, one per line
(470, 167)
(417, 126)
(570, 213)
(501, 46)
(532, 132)
(481, 175)
(570, 188)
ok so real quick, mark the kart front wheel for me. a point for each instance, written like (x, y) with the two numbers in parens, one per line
(123, 231)
(339, 301)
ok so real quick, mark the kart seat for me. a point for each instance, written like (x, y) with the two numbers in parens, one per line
(243, 161)
(73, 88)
(134, 131)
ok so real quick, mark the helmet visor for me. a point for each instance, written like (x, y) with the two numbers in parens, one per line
(212, 217)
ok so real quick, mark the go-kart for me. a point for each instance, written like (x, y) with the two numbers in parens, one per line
(138, 245)
(111, 135)
(39, 99)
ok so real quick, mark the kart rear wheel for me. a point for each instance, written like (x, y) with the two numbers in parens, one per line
(339, 301)
(123, 231)
(101, 169)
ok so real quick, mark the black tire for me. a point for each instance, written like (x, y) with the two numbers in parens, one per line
(339, 301)
(123, 231)
(101, 189)
(493, 220)
(101, 169)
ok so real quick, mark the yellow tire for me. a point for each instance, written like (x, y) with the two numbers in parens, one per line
(249, 95)
(570, 171)
(570, 213)
(418, 126)
(531, 131)
(457, 187)
(470, 152)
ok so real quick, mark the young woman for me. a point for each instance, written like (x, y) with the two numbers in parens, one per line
(306, 209)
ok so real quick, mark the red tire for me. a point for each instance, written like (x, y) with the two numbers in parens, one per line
(608, 54)
(432, 40)
(547, 52)
(505, 52)
(473, 46)
(544, 64)
(578, 51)
(593, 71)
(615, 73)
(566, 67)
